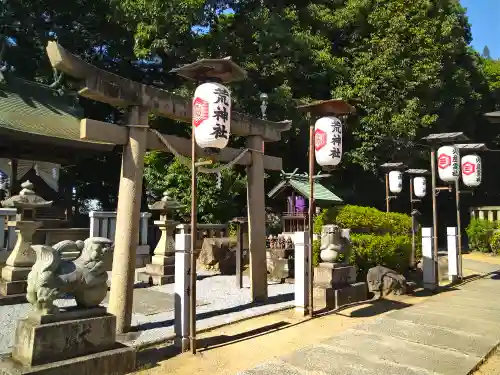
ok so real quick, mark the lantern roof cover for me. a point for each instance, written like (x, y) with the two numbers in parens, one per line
(493, 117)
(394, 165)
(441, 138)
(26, 198)
(417, 171)
(472, 146)
(224, 70)
(166, 204)
(328, 107)
(300, 183)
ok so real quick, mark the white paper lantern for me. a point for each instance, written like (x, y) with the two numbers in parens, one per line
(448, 162)
(472, 172)
(395, 181)
(328, 141)
(419, 187)
(212, 115)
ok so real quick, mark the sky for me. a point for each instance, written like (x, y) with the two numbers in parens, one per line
(484, 16)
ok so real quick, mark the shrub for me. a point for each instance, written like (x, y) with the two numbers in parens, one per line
(479, 232)
(495, 243)
(370, 220)
(315, 252)
(370, 250)
(326, 216)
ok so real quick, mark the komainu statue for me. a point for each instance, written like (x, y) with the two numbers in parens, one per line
(55, 273)
(334, 241)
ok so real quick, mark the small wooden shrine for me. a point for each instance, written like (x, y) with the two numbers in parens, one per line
(294, 189)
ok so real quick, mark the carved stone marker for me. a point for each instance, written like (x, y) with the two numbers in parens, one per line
(18, 265)
(334, 279)
(76, 340)
(161, 270)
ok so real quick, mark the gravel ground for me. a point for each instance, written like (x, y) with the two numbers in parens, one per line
(226, 304)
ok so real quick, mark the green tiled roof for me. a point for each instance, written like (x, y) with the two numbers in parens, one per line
(301, 185)
(37, 109)
(321, 193)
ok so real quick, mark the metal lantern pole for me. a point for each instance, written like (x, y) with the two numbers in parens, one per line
(387, 197)
(459, 227)
(434, 214)
(212, 72)
(310, 219)
(324, 108)
(192, 267)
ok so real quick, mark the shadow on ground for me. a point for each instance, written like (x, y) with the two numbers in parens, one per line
(287, 297)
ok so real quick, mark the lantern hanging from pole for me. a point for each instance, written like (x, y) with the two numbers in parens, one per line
(471, 170)
(395, 181)
(212, 115)
(448, 163)
(419, 187)
(328, 141)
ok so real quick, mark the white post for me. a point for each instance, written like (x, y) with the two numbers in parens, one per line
(182, 278)
(428, 264)
(451, 233)
(301, 274)
(183, 228)
(94, 224)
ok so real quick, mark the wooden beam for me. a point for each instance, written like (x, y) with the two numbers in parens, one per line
(110, 88)
(98, 131)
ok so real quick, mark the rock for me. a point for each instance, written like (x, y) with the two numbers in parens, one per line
(218, 254)
(384, 281)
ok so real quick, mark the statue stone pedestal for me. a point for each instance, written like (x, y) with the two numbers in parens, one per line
(161, 270)
(82, 341)
(18, 265)
(335, 286)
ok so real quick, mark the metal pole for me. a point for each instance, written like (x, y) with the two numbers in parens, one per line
(387, 192)
(434, 214)
(412, 259)
(310, 218)
(459, 228)
(192, 284)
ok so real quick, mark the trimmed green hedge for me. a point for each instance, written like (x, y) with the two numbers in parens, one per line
(370, 220)
(378, 238)
(389, 250)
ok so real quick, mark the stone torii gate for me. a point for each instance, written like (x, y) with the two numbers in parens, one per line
(135, 137)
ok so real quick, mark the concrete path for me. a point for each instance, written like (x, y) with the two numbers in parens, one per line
(450, 333)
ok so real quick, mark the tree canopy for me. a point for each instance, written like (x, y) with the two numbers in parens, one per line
(406, 65)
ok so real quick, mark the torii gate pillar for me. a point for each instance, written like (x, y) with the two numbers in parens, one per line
(256, 201)
(127, 220)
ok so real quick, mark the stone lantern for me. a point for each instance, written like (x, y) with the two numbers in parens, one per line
(161, 269)
(19, 263)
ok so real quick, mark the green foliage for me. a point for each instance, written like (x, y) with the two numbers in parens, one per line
(369, 250)
(316, 251)
(495, 243)
(479, 232)
(326, 216)
(215, 205)
(370, 220)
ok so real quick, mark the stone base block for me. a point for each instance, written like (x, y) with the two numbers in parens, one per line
(160, 270)
(155, 279)
(141, 260)
(160, 260)
(8, 288)
(15, 273)
(117, 361)
(13, 299)
(330, 298)
(334, 275)
(42, 343)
